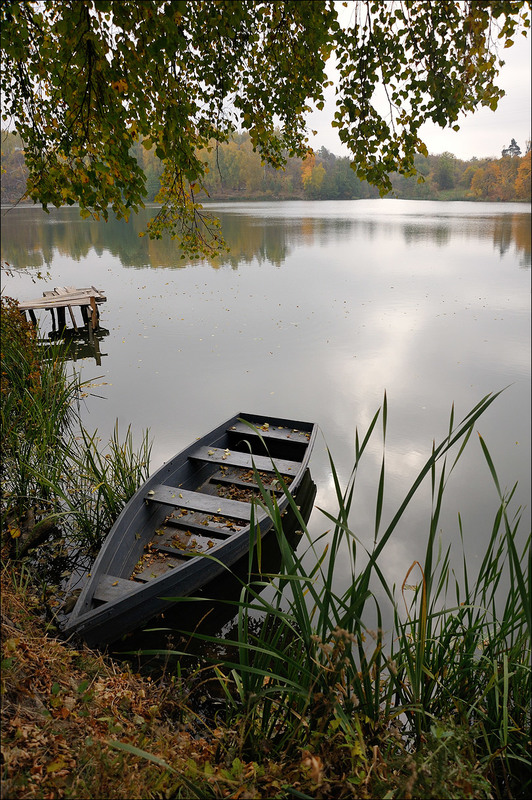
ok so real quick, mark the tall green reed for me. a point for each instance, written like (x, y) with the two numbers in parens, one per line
(53, 470)
(316, 668)
(37, 411)
(100, 481)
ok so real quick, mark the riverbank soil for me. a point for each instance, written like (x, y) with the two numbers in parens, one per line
(64, 709)
(77, 724)
(67, 714)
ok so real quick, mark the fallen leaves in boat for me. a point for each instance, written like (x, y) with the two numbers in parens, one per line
(242, 493)
(179, 544)
(267, 478)
(151, 558)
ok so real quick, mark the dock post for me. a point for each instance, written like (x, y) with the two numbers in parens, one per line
(61, 318)
(72, 317)
(97, 354)
(95, 313)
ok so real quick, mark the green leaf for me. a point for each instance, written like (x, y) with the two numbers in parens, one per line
(129, 748)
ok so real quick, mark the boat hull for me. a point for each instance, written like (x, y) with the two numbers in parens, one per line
(195, 517)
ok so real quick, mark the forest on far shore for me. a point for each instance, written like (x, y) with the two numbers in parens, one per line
(235, 172)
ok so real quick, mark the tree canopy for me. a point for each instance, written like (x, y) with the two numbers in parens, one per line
(84, 80)
(513, 149)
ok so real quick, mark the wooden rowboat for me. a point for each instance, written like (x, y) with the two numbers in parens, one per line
(194, 517)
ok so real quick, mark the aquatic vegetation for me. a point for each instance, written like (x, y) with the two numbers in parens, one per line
(37, 412)
(54, 473)
(455, 662)
(100, 481)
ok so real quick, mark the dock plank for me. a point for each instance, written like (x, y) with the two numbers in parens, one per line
(62, 297)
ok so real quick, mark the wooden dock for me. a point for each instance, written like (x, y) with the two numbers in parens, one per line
(62, 298)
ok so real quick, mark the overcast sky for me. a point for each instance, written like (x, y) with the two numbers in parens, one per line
(483, 134)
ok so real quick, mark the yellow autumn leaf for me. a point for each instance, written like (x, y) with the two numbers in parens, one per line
(56, 765)
(120, 86)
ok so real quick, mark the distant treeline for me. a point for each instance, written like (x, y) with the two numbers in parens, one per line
(235, 172)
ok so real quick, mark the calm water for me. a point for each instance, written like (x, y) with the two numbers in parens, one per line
(319, 309)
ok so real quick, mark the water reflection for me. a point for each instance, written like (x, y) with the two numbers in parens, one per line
(515, 231)
(33, 238)
(81, 343)
(440, 235)
(319, 308)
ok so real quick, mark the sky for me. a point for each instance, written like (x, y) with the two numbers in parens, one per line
(482, 134)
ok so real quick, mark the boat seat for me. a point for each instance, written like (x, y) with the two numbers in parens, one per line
(213, 528)
(112, 588)
(235, 459)
(233, 476)
(272, 432)
(198, 501)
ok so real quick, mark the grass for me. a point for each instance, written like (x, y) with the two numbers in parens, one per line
(97, 482)
(37, 411)
(63, 709)
(444, 696)
(55, 473)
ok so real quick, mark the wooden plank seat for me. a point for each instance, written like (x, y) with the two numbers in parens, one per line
(207, 525)
(272, 432)
(198, 501)
(199, 545)
(216, 455)
(234, 477)
(110, 587)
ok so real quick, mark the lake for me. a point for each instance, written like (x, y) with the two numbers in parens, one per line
(319, 308)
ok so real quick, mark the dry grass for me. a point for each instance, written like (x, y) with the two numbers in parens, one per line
(64, 711)
(61, 709)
